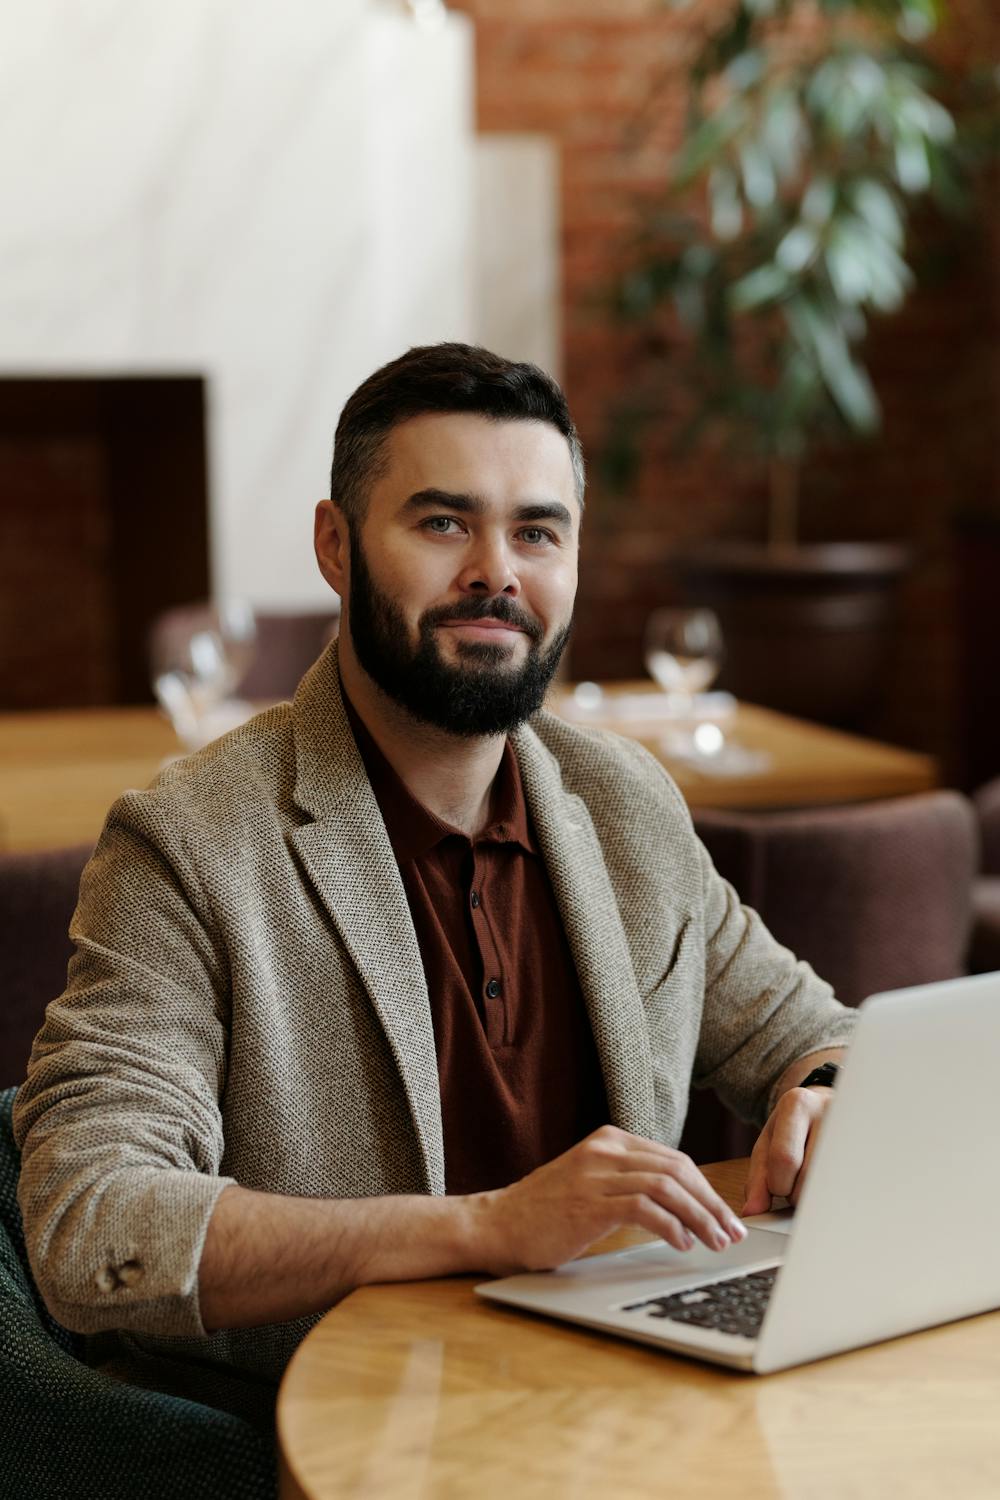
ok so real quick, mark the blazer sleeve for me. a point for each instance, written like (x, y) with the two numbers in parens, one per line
(118, 1120)
(763, 1007)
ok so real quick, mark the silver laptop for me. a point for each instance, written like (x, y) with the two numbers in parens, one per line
(897, 1227)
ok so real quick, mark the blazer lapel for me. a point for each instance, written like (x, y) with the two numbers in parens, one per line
(349, 859)
(575, 862)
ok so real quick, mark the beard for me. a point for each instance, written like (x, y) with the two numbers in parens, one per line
(478, 695)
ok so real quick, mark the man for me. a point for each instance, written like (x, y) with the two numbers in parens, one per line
(405, 978)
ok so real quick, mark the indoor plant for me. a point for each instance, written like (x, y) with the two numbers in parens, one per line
(814, 127)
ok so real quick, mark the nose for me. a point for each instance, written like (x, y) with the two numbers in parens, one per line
(489, 568)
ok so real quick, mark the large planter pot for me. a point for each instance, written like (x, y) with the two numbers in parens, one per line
(808, 629)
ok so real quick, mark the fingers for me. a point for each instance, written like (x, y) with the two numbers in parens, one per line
(647, 1214)
(671, 1180)
(758, 1194)
(682, 1170)
(669, 1194)
(788, 1146)
(784, 1148)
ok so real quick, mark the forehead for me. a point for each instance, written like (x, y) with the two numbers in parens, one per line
(466, 453)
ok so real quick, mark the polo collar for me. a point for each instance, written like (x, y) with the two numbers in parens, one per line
(413, 829)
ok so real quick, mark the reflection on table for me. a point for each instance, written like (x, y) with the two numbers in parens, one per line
(60, 771)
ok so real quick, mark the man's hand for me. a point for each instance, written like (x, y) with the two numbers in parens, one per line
(608, 1180)
(781, 1157)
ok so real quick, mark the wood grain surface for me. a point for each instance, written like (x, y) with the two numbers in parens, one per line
(425, 1392)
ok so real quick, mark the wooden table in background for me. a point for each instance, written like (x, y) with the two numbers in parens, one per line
(425, 1392)
(60, 771)
(808, 765)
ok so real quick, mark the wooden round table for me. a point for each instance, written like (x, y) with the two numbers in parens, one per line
(423, 1391)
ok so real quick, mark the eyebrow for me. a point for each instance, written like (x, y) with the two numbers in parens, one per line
(532, 510)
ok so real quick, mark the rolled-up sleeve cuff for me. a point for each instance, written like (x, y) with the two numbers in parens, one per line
(126, 1255)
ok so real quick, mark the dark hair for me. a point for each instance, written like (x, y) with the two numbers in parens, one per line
(439, 378)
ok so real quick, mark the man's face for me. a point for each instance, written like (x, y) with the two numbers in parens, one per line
(463, 573)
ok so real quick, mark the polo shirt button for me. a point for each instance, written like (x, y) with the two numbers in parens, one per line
(493, 989)
(474, 900)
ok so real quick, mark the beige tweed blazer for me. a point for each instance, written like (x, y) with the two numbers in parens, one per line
(247, 1003)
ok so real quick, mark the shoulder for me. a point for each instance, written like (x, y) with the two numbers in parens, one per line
(606, 769)
(244, 780)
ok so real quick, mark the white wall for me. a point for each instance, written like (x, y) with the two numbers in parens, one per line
(278, 197)
(517, 285)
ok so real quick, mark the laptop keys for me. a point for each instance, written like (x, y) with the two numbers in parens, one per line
(735, 1305)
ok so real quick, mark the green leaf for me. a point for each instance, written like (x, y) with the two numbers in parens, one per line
(797, 248)
(746, 70)
(918, 19)
(876, 205)
(848, 384)
(760, 186)
(725, 206)
(891, 277)
(913, 170)
(847, 269)
(784, 134)
(765, 284)
(919, 114)
(708, 143)
(818, 201)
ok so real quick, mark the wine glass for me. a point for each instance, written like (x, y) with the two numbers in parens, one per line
(199, 655)
(683, 653)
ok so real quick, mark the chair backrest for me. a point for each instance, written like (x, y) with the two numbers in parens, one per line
(38, 894)
(287, 646)
(875, 896)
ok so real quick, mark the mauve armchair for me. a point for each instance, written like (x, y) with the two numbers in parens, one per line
(876, 896)
(37, 899)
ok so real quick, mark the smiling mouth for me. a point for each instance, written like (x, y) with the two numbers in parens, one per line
(482, 627)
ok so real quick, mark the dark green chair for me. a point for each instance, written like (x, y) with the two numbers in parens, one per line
(72, 1431)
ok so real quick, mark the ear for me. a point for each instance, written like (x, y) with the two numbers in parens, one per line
(332, 543)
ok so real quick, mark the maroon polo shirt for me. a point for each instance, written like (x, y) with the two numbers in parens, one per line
(519, 1073)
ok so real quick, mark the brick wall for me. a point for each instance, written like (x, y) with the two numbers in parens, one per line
(580, 70)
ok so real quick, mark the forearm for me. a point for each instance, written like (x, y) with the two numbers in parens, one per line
(269, 1258)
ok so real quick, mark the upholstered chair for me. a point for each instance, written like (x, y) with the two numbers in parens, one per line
(37, 899)
(876, 896)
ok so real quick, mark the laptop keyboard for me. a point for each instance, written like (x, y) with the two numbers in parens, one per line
(736, 1305)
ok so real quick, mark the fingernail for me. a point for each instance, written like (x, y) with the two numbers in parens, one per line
(721, 1241)
(737, 1229)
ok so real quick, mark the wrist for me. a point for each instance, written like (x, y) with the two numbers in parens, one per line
(825, 1076)
(480, 1234)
